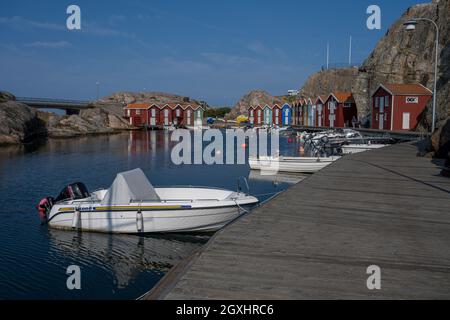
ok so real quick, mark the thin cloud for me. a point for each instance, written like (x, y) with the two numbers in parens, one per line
(227, 59)
(261, 49)
(115, 19)
(18, 22)
(50, 45)
(97, 30)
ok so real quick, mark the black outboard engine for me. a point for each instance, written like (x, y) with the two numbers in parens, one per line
(74, 191)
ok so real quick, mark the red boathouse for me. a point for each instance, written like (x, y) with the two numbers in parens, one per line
(399, 106)
(340, 110)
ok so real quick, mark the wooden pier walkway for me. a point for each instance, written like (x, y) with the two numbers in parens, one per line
(315, 241)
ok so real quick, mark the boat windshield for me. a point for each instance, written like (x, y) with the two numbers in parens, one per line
(75, 191)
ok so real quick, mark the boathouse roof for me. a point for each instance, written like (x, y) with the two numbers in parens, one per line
(405, 89)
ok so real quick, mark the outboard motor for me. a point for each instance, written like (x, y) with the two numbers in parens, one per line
(44, 207)
(74, 191)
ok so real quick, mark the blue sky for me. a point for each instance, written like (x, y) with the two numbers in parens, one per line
(213, 50)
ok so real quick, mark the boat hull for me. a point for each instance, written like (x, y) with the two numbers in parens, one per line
(292, 165)
(352, 149)
(152, 221)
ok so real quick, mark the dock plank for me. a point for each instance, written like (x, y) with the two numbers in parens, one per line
(386, 207)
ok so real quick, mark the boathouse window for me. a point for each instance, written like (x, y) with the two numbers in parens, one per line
(382, 105)
(386, 101)
(377, 102)
(251, 113)
(138, 112)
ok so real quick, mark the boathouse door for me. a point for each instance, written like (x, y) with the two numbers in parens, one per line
(268, 117)
(406, 121)
(189, 117)
(381, 116)
(319, 113)
(332, 116)
(153, 117)
(277, 116)
(166, 117)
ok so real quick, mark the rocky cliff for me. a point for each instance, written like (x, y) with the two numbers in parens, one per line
(406, 57)
(100, 119)
(326, 81)
(19, 123)
(399, 57)
(402, 57)
(253, 98)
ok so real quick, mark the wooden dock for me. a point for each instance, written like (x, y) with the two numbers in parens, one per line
(386, 207)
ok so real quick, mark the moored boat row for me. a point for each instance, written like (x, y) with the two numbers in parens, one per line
(326, 148)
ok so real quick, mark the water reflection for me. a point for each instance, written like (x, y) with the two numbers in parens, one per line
(34, 259)
(125, 256)
(277, 179)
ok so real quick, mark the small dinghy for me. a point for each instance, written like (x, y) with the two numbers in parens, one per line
(290, 164)
(132, 205)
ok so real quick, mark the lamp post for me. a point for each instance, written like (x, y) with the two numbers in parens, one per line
(98, 89)
(411, 26)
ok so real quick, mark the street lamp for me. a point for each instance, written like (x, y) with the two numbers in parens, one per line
(410, 25)
(98, 89)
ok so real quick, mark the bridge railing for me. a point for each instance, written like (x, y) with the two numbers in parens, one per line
(50, 100)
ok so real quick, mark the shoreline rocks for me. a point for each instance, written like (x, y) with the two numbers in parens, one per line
(20, 123)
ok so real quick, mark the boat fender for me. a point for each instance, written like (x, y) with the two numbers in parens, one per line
(76, 220)
(140, 221)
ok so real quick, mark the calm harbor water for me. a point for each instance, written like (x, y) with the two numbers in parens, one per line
(34, 258)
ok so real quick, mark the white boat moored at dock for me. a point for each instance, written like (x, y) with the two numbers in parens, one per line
(132, 205)
(290, 164)
(357, 148)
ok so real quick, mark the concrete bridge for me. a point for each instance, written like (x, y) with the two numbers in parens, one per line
(70, 106)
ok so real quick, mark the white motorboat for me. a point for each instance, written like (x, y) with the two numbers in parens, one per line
(132, 205)
(198, 128)
(358, 148)
(290, 164)
(342, 134)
